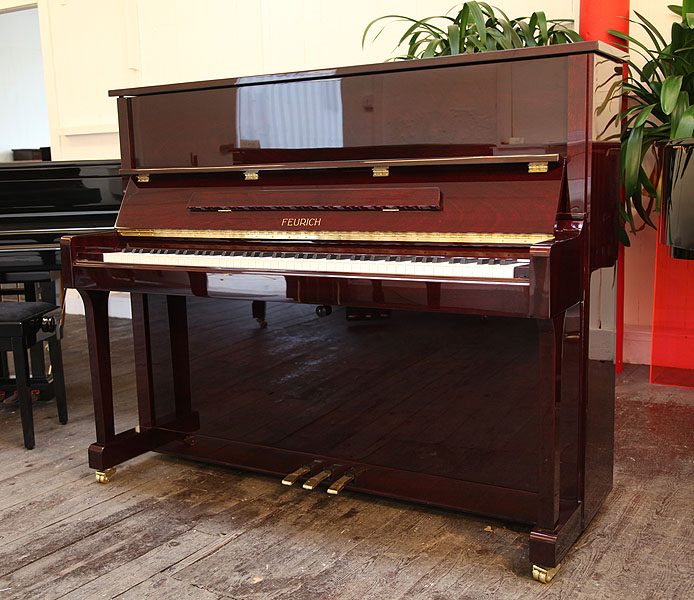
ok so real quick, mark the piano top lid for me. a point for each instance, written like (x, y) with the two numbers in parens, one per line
(590, 47)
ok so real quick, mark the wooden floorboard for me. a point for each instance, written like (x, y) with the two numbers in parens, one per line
(167, 528)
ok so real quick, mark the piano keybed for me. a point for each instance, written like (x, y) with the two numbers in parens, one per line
(372, 264)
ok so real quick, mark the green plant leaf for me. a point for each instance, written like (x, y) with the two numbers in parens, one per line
(688, 13)
(647, 185)
(527, 33)
(643, 115)
(454, 38)
(676, 9)
(632, 161)
(685, 125)
(480, 21)
(637, 201)
(670, 93)
(542, 25)
(680, 107)
(653, 32)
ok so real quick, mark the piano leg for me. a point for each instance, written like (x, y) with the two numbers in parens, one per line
(151, 333)
(110, 448)
(559, 518)
(258, 308)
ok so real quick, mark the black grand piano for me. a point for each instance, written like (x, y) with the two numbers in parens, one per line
(39, 203)
(472, 200)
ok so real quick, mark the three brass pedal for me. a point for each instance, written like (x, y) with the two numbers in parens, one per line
(313, 482)
(340, 484)
(292, 477)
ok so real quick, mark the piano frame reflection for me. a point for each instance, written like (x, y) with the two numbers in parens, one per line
(421, 238)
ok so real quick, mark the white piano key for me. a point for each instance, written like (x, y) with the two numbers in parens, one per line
(443, 267)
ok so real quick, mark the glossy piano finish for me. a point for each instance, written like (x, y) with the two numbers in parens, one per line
(41, 201)
(478, 394)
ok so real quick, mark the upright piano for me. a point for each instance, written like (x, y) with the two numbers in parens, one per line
(39, 203)
(462, 211)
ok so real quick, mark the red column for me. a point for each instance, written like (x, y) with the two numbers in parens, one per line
(596, 17)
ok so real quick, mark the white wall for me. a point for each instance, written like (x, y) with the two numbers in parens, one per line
(23, 111)
(90, 47)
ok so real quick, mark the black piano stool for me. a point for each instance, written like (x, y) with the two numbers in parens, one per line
(23, 325)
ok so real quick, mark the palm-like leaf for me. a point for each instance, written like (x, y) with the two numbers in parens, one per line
(474, 28)
(659, 106)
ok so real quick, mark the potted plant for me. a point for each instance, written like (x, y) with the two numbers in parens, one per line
(475, 28)
(658, 127)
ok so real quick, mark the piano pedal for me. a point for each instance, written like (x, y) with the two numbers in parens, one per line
(367, 314)
(314, 481)
(292, 477)
(340, 484)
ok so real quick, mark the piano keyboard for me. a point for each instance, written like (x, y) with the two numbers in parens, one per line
(383, 264)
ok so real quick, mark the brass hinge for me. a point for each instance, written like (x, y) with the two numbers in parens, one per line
(538, 167)
(381, 171)
(250, 175)
(143, 178)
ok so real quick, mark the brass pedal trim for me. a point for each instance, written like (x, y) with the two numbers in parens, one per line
(313, 482)
(292, 477)
(340, 484)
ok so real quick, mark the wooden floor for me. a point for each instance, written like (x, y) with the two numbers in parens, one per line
(165, 528)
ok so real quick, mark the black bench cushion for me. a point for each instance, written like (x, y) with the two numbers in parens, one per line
(21, 311)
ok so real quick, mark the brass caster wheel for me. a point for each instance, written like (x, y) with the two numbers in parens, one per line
(544, 575)
(105, 476)
(262, 323)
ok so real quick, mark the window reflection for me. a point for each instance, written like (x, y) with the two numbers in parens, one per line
(298, 114)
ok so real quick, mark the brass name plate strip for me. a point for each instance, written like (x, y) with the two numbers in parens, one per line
(381, 165)
(523, 239)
